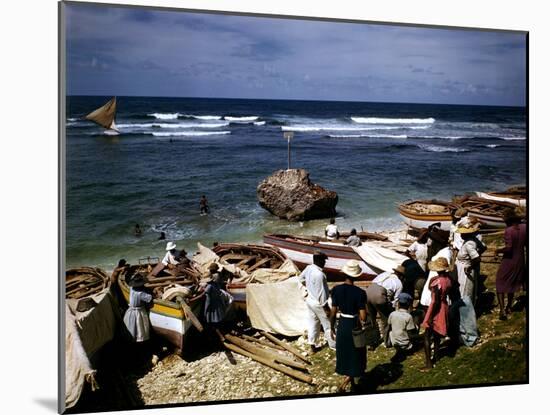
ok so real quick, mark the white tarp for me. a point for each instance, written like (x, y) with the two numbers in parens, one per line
(382, 258)
(86, 332)
(277, 307)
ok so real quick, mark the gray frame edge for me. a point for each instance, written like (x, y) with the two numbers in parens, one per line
(61, 75)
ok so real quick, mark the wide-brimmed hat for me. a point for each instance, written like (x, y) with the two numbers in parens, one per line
(468, 228)
(439, 264)
(400, 269)
(460, 213)
(137, 280)
(352, 268)
(170, 245)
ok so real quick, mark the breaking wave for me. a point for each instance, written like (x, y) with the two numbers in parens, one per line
(367, 136)
(374, 120)
(442, 149)
(189, 133)
(240, 119)
(175, 125)
(164, 116)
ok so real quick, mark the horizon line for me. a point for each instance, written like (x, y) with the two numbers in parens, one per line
(294, 99)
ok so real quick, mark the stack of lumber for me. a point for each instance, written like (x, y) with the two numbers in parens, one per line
(271, 352)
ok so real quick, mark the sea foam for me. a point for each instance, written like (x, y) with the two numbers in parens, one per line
(375, 120)
(189, 133)
(164, 116)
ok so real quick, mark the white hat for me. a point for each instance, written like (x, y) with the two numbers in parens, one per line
(170, 246)
(352, 268)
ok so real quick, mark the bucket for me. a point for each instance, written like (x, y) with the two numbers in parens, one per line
(365, 336)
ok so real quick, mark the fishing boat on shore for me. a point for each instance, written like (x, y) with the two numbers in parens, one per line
(419, 214)
(490, 213)
(515, 195)
(84, 282)
(175, 305)
(373, 260)
(258, 263)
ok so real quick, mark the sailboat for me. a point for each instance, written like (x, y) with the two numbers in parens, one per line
(105, 116)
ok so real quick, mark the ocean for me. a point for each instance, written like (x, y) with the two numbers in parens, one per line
(170, 151)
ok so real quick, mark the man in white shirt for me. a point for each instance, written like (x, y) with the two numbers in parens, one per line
(419, 249)
(382, 296)
(169, 259)
(315, 281)
(331, 231)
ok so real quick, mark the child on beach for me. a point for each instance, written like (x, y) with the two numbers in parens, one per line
(401, 329)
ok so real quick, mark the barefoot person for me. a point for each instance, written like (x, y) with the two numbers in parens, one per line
(315, 281)
(511, 273)
(436, 320)
(350, 302)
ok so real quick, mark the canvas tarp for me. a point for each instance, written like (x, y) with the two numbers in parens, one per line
(86, 332)
(378, 257)
(205, 256)
(278, 307)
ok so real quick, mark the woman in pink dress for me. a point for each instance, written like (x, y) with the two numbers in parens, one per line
(511, 273)
(436, 321)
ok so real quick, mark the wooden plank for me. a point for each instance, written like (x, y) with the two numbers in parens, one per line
(263, 342)
(286, 346)
(268, 354)
(281, 368)
(258, 264)
(245, 260)
(189, 314)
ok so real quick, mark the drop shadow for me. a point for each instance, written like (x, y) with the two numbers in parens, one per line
(48, 403)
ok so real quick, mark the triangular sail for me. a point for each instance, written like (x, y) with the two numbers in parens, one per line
(105, 115)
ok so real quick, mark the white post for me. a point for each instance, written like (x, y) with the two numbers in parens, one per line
(288, 135)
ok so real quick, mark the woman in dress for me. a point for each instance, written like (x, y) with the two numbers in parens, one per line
(136, 318)
(511, 273)
(436, 321)
(350, 302)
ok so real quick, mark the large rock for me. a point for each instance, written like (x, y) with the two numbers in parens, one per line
(289, 194)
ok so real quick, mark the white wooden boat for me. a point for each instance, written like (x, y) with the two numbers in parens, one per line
(514, 195)
(168, 319)
(419, 214)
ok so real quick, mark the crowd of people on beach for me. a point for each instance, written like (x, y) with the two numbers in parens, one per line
(434, 290)
(428, 299)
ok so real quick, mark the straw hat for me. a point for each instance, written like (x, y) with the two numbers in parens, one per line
(400, 269)
(439, 264)
(468, 228)
(460, 213)
(170, 245)
(352, 268)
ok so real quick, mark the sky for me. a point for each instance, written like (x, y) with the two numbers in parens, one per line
(143, 52)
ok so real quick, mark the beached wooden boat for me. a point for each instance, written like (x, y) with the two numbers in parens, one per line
(490, 213)
(300, 250)
(168, 318)
(248, 258)
(514, 195)
(420, 214)
(84, 282)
